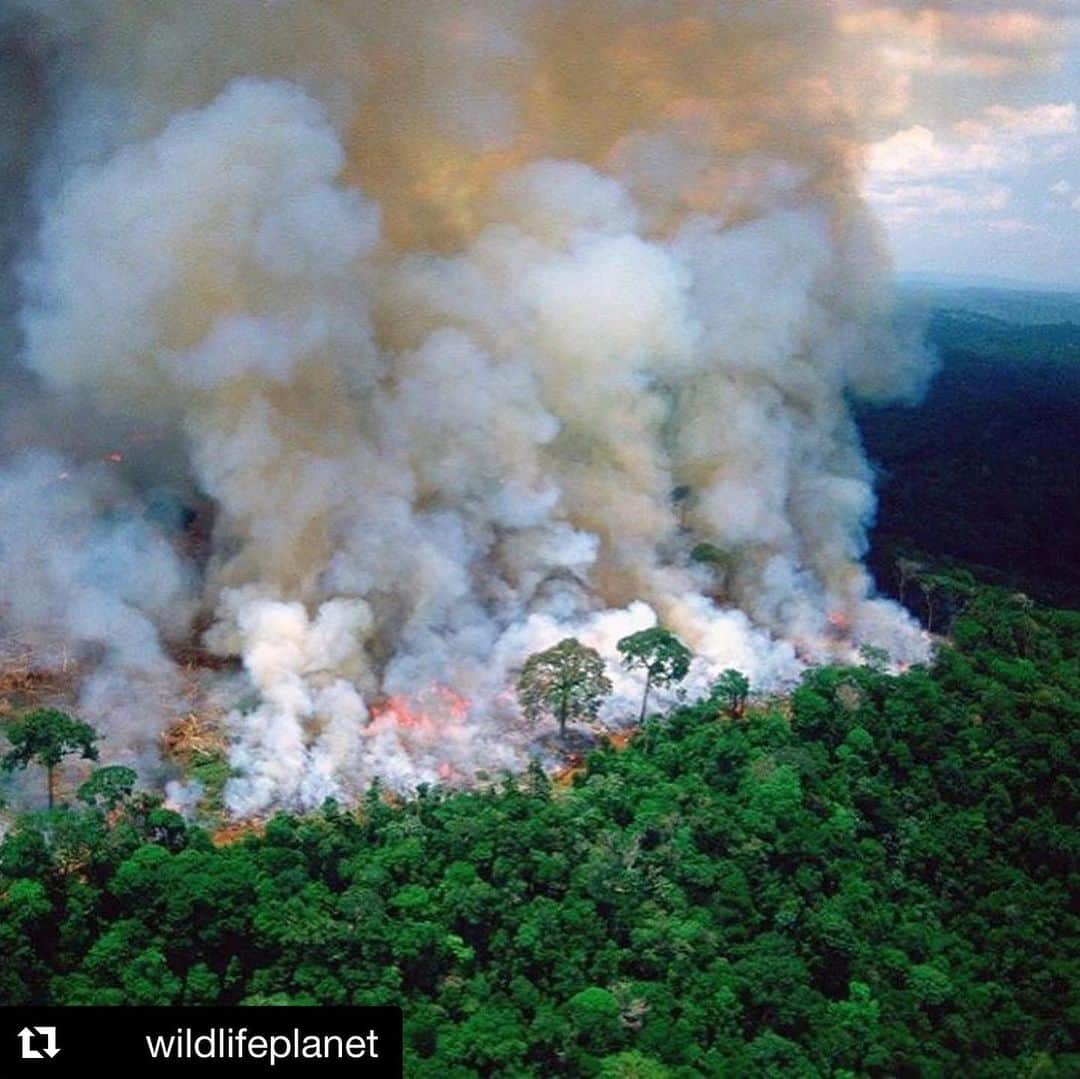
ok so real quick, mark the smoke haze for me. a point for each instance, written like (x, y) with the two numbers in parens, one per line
(472, 322)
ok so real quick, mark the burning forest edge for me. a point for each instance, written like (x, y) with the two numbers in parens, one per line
(848, 870)
(378, 352)
(563, 687)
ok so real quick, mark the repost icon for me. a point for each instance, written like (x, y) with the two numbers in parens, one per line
(32, 1037)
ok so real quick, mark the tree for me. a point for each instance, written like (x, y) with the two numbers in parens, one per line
(907, 570)
(566, 681)
(148, 981)
(660, 654)
(951, 587)
(632, 1065)
(594, 1016)
(874, 658)
(733, 689)
(46, 736)
(108, 786)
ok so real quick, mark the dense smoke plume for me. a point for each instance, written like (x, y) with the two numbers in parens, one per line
(473, 322)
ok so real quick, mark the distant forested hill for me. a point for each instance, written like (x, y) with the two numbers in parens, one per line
(986, 470)
(1015, 304)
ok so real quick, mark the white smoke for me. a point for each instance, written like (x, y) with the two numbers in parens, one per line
(85, 571)
(472, 345)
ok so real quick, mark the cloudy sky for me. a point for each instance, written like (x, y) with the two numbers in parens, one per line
(975, 165)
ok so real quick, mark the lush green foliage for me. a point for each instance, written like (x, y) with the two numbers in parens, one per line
(732, 690)
(660, 654)
(46, 736)
(880, 882)
(109, 786)
(566, 681)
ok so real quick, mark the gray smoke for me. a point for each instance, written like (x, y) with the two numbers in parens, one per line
(473, 321)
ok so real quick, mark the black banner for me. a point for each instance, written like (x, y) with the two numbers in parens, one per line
(45, 1042)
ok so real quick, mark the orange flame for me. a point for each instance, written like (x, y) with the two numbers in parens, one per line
(433, 716)
(399, 711)
(428, 713)
(432, 707)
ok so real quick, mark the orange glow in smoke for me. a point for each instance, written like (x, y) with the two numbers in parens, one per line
(398, 711)
(720, 91)
(433, 709)
(435, 717)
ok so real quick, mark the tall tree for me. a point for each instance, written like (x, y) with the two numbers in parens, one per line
(732, 688)
(907, 570)
(567, 682)
(660, 654)
(108, 787)
(46, 736)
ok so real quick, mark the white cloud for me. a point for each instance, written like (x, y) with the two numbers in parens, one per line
(966, 174)
(1035, 122)
(996, 139)
(917, 153)
(910, 202)
(975, 171)
(963, 178)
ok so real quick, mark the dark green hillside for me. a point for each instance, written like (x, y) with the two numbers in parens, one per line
(879, 881)
(986, 469)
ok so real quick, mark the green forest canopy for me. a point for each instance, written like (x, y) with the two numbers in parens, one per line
(880, 880)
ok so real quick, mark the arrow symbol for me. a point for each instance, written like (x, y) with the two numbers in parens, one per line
(51, 1047)
(27, 1036)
